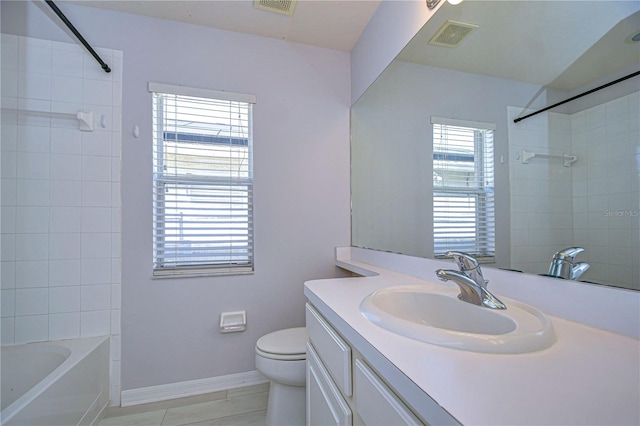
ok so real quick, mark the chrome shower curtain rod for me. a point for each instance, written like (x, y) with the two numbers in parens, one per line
(73, 29)
(633, 74)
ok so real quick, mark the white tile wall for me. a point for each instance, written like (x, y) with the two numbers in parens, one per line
(601, 188)
(606, 206)
(541, 219)
(60, 195)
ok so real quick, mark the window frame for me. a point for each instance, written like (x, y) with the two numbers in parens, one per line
(212, 184)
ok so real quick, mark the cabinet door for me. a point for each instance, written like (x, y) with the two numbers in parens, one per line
(376, 404)
(334, 352)
(325, 405)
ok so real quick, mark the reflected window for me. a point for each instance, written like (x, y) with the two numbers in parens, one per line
(463, 188)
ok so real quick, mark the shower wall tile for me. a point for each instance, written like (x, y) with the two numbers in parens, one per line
(96, 194)
(8, 247)
(29, 220)
(64, 220)
(32, 192)
(31, 247)
(610, 183)
(97, 92)
(65, 246)
(66, 141)
(95, 297)
(95, 271)
(58, 189)
(8, 303)
(34, 86)
(9, 88)
(96, 245)
(96, 168)
(95, 323)
(8, 219)
(34, 55)
(67, 89)
(32, 301)
(9, 52)
(96, 219)
(64, 299)
(64, 326)
(8, 134)
(65, 167)
(67, 61)
(7, 275)
(9, 166)
(33, 273)
(65, 272)
(65, 193)
(7, 336)
(116, 296)
(33, 139)
(97, 143)
(31, 328)
(32, 165)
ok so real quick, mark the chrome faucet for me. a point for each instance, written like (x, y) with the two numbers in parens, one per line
(469, 265)
(473, 286)
(563, 265)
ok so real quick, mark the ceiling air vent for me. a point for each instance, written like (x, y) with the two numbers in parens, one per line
(283, 7)
(452, 33)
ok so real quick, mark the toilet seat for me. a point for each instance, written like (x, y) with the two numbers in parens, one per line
(284, 345)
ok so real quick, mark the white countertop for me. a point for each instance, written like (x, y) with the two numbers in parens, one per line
(589, 376)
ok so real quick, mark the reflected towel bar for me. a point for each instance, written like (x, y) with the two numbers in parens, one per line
(568, 159)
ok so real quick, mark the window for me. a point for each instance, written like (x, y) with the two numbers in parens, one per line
(203, 182)
(463, 181)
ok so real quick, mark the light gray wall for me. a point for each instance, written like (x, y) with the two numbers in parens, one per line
(301, 136)
(390, 29)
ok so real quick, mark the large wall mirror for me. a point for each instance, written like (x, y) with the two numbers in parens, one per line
(567, 177)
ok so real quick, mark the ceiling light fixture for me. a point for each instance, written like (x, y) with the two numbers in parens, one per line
(433, 3)
(633, 38)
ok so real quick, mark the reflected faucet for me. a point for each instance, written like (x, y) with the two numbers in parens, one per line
(473, 286)
(563, 265)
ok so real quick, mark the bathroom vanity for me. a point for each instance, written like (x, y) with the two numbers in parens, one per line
(359, 373)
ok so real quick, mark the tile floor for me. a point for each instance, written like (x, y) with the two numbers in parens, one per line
(237, 407)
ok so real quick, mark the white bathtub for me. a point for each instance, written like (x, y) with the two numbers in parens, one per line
(61, 383)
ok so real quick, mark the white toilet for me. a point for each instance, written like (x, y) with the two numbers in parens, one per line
(281, 358)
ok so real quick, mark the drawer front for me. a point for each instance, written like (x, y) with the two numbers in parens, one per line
(325, 405)
(376, 403)
(332, 350)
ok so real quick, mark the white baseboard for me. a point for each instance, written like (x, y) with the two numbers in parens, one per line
(190, 388)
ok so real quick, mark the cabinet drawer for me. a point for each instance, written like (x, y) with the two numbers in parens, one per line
(376, 403)
(325, 404)
(332, 350)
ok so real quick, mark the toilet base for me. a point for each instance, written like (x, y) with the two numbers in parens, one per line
(287, 405)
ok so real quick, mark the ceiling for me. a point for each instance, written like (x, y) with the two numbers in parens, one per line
(332, 24)
(561, 44)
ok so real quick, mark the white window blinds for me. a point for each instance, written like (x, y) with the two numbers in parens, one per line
(203, 183)
(463, 182)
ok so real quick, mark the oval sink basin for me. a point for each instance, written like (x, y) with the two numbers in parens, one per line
(442, 319)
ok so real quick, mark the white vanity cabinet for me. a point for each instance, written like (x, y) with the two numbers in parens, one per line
(342, 389)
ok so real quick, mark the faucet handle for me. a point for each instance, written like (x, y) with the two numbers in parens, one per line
(469, 265)
(465, 261)
(569, 252)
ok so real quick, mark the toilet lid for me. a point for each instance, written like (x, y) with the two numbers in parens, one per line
(291, 341)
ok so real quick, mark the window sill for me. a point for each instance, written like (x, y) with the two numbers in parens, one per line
(199, 273)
